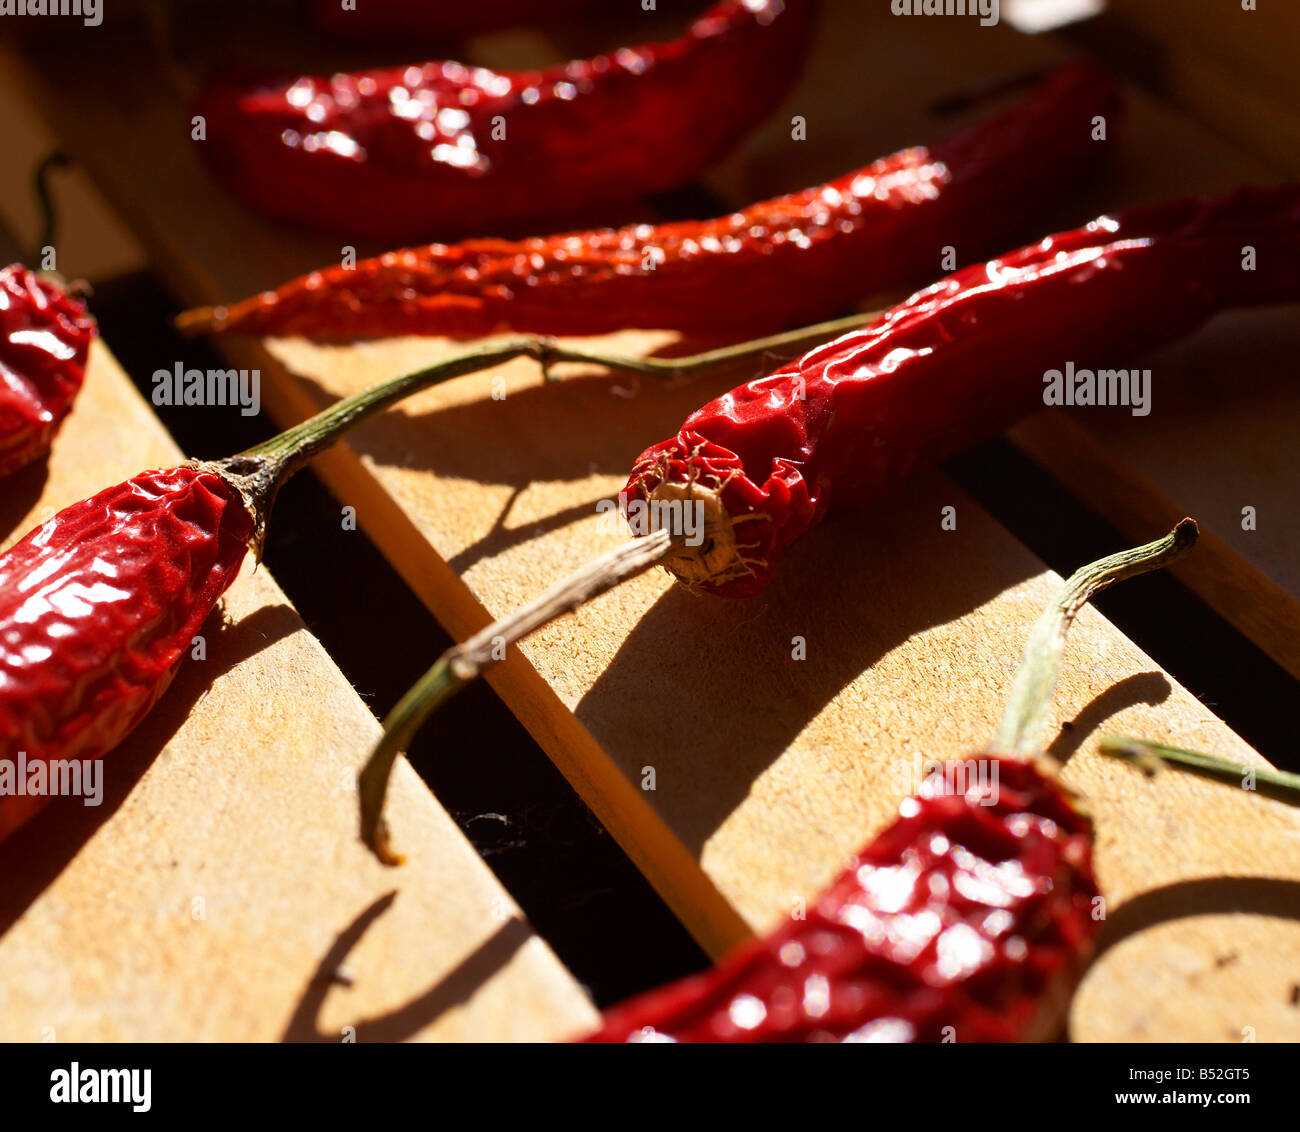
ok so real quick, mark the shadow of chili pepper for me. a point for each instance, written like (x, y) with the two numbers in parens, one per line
(502, 537)
(454, 988)
(716, 683)
(1206, 896)
(43, 847)
(21, 490)
(1141, 688)
(563, 431)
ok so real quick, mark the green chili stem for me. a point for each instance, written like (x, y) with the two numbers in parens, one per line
(1275, 783)
(260, 470)
(1031, 692)
(462, 663)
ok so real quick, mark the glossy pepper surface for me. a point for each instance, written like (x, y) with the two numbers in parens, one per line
(953, 365)
(969, 919)
(405, 152)
(787, 261)
(45, 337)
(98, 606)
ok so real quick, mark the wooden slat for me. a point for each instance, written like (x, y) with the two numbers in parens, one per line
(768, 771)
(219, 887)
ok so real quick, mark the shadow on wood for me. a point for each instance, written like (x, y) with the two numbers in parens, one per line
(456, 987)
(1140, 688)
(21, 490)
(1206, 896)
(37, 853)
(845, 596)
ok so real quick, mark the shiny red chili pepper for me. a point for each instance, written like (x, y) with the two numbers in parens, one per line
(405, 152)
(98, 606)
(953, 365)
(783, 262)
(969, 918)
(45, 337)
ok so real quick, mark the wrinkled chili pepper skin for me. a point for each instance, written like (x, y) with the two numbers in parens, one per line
(789, 261)
(962, 920)
(99, 605)
(409, 152)
(955, 364)
(45, 338)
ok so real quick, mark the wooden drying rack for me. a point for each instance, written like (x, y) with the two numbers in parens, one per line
(768, 772)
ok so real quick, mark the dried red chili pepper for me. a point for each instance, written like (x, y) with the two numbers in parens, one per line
(99, 605)
(956, 363)
(405, 152)
(970, 918)
(779, 263)
(45, 337)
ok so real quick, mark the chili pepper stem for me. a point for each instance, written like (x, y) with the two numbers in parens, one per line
(1040, 664)
(1149, 756)
(692, 365)
(259, 471)
(1024, 719)
(462, 663)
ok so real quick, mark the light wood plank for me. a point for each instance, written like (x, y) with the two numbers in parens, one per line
(220, 884)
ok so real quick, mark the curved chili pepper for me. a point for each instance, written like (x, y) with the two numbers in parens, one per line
(953, 365)
(969, 918)
(45, 337)
(405, 152)
(782, 262)
(97, 608)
